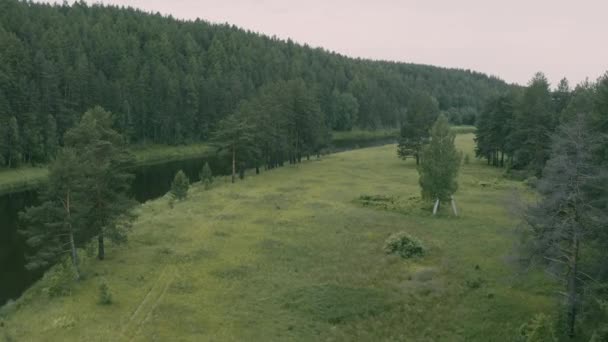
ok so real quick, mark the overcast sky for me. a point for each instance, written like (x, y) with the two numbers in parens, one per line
(511, 39)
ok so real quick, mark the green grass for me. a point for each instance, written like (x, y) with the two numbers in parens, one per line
(154, 154)
(290, 255)
(362, 135)
(25, 178)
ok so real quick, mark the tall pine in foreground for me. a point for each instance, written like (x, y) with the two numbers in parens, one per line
(106, 161)
(439, 164)
(54, 227)
(566, 226)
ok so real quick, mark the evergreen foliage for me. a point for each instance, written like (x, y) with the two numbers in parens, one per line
(180, 186)
(58, 223)
(171, 81)
(206, 176)
(567, 226)
(415, 125)
(107, 178)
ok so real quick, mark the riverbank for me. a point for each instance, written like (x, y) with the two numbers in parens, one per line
(28, 178)
(292, 254)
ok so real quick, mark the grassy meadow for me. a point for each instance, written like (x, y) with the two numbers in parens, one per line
(293, 255)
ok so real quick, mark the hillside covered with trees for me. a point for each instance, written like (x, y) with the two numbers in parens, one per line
(171, 82)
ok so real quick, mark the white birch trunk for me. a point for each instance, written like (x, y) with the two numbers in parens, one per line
(435, 207)
(454, 206)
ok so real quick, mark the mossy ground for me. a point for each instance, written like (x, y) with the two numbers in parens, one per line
(290, 255)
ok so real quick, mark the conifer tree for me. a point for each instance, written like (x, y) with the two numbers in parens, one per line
(180, 186)
(206, 176)
(103, 153)
(419, 118)
(235, 135)
(439, 164)
(12, 143)
(60, 219)
(51, 140)
(567, 224)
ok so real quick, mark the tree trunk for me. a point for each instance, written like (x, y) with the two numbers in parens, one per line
(454, 206)
(74, 255)
(101, 252)
(417, 159)
(74, 252)
(257, 170)
(435, 207)
(233, 163)
(572, 288)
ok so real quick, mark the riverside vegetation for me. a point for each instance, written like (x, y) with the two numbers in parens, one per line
(291, 254)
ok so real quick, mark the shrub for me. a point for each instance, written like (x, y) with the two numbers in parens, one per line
(475, 283)
(539, 329)
(105, 296)
(58, 279)
(180, 185)
(206, 176)
(404, 245)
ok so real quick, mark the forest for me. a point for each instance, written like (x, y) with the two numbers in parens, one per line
(556, 141)
(169, 81)
(494, 230)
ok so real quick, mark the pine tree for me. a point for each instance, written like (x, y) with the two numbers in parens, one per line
(51, 141)
(206, 176)
(566, 224)
(59, 220)
(180, 186)
(12, 143)
(107, 178)
(235, 135)
(535, 119)
(439, 164)
(419, 118)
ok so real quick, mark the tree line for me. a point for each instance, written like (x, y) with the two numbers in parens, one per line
(172, 82)
(561, 138)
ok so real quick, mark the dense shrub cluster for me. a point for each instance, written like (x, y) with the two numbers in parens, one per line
(404, 245)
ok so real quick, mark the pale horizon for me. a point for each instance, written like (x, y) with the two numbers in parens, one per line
(510, 40)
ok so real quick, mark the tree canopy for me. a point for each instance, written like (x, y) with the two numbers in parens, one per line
(171, 81)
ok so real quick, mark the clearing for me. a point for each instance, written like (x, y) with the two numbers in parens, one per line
(294, 254)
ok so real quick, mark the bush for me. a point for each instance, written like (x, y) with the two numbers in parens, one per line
(105, 296)
(539, 329)
(58, 279)
(404, 245)
(206, 176)
(180, 185)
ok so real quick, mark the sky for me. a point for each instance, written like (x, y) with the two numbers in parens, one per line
(511, 39)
